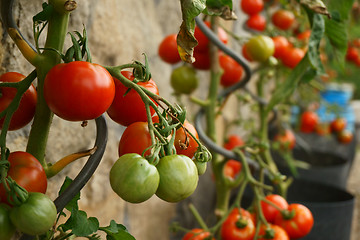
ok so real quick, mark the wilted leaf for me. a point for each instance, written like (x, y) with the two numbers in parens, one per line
(317, 6)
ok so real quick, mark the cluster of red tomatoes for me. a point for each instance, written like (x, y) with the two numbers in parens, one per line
(183, 78)
(309, 123)
(285, 221)
(352, 54)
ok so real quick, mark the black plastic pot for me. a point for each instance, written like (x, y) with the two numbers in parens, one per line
(331, 207)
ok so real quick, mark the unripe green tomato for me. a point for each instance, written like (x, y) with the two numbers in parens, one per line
(260, 48)
(178, 178)
(133, 178)
(35, 216)
(184, 79)
(7, 229)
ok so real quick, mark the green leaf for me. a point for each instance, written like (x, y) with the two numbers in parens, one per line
(73, 203)
(45, 14)
(317, 32)
(116, 232)
(185, 38)
(343, 7)
(80, 225)
(222, 8)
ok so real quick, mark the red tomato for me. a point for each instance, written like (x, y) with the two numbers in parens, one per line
(185, 144)
(232, 71)
(129, 108)
(256, 22)
(300, 224)
(233, 141)
(308, 121)
(305, 35)
(252, 7)
(197, 234)
(232, 168)
(281, 45)
(283, 19)
(345, 136)
(279, 233)
(26, 110)
(202, 60)
(78, 91)
(203, 41)
(269, 211)
(245, 53)
(168, 51)
(293, 56)
(27, 171)
(135, 139)
(322, 129)
(286, 139)
(352, 54)
(231, 229)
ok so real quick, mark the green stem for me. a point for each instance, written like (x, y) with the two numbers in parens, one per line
(198, 217)
(57, 30)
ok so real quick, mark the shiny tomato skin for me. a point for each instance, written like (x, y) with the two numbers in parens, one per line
(7, 229)
(283, 19)
(178, 178)
(345, 136)
(230, 230)
(299, 225)
(135, 139)
(184, 79)
(256, 22)
(185, 144)
(26, 110)
(245, 53)
(27, 171)
(269, 211)
(130, 108)
(286, 139)
(168, 50)
(197, 234)
(304, 36)
(202, 60)
(252, 7)
(293, 56)
(352, 54)
(308, 121)
(281, 44)
(78, 90)
(203, 41)
(36, 215)
(232, 71)
(280, 233)
(260, 48)
(133, 178)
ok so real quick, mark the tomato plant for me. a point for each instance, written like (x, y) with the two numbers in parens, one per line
(129, 108)
(260, 48)
(232, 71)
(286, 139)
(308, 121)
(78, 90)
(345, 136)
(233, 141)
(168, 51)
(269, 210)
(178, 178)
(238, 226)
(7, 229)
(297, 220)
(338, 124)
(197, 234)
(27, 171)
(252, 7)
(26, 110)
(133, 178)
(281, 45)
(283, 19)
(184, 143)
(35, 216)
(135, 139)
(203, 41)
(202, 60)
(278, 233)
(184, 79)
(232, 168)
(256, 22)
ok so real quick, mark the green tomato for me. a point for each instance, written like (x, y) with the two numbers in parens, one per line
(184, 79)
(260, 48)
(178, 178)
(7, 229)
(35, 216)
(133, 178)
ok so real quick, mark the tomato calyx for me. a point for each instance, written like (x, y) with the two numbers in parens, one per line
(288, 215)
(241, 222)
(269, 233)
